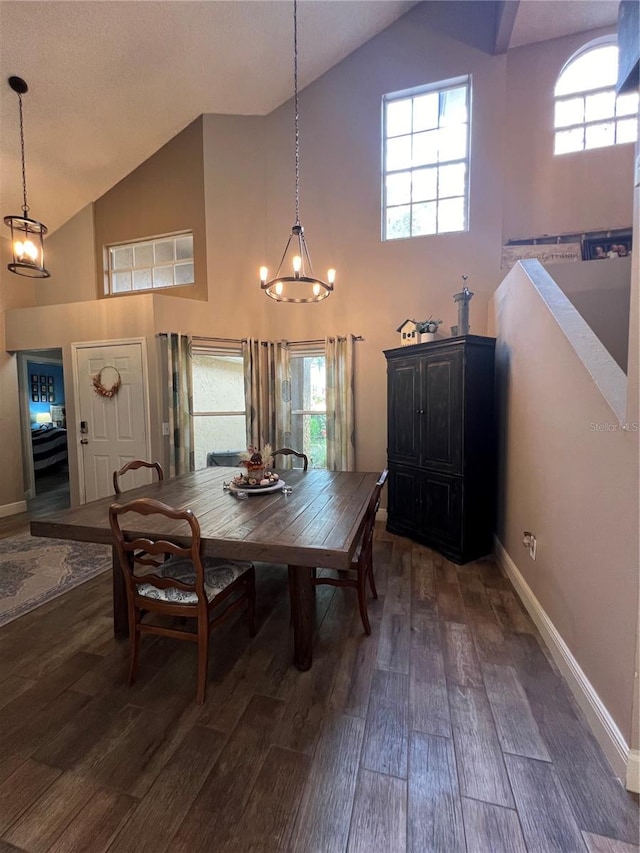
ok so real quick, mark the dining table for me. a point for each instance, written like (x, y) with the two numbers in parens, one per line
(315, 522)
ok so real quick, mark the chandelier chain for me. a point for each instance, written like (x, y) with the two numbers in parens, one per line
(297, 116)
(25, 206)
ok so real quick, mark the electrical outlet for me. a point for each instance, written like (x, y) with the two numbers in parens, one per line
(165, 428)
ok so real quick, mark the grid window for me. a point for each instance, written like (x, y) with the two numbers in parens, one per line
(309, 407)
(150, 264)
(219, 415)
(426, 160)
(587, 113)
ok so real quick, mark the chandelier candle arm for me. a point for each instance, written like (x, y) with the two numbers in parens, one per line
(299, 285)
(27, 235)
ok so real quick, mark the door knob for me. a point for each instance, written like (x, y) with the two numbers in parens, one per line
(84, 441)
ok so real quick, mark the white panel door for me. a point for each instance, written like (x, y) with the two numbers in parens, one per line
(111, 430)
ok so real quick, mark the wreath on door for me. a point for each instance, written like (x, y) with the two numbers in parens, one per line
(107, 382)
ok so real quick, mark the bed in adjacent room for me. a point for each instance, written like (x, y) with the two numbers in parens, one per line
(49, 448)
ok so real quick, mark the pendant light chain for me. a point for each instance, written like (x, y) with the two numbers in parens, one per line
(297, 116)
(25, 206)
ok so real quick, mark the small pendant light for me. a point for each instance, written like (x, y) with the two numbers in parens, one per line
(300, 285)
(27, 235)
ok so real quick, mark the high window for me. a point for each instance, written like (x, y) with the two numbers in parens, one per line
(309, 406)
(219, 416)
(426, 160)
(149, 264)
(587, 112)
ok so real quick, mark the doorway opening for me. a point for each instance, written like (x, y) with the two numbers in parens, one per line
(44, 429)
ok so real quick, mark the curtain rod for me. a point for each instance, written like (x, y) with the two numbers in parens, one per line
(243, 340)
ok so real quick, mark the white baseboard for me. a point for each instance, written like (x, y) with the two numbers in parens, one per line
(633, 771)
(600, 720)
(13, 509)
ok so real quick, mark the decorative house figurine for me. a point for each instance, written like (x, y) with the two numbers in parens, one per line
(408, 333)
(463, 298)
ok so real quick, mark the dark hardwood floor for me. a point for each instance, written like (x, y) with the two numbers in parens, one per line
(449, 729)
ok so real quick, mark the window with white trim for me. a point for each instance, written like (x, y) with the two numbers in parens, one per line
(219, 414)
(587, 113)
(165, 261)
(425, 185)
(309, 406)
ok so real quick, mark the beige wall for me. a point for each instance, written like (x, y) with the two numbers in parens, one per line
(600, 290)
(569, 474)
(163, 195)
(587, 190)
(71, 259)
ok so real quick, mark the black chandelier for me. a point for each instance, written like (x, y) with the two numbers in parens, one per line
(301, 285)
(27, 235)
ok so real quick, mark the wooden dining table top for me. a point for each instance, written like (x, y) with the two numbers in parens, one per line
(318, 524)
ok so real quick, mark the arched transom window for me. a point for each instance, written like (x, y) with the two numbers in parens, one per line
(587, 112)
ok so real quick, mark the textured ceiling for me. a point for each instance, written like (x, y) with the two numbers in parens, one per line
(112, 81)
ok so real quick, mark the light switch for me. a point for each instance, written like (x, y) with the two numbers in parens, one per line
(165, 428)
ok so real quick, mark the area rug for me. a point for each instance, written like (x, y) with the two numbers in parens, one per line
(35, 570)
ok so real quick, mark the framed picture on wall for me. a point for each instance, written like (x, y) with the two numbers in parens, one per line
(52, 398)
(43, 379)
(34, 378)
(50, 381)
(43, 391)
(35, 397)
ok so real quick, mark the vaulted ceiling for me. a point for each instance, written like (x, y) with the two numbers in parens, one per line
(110, 81)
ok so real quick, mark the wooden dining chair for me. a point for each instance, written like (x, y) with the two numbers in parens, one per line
(133, 466)
(287, 451)
(164, 578)
(362, 564)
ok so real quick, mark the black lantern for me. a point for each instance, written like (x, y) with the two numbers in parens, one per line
(27, 235)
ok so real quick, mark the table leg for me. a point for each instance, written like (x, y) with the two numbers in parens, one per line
(303, 606)
(120, 618)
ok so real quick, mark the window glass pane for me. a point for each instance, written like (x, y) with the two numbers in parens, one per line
(424, 218)
(453, 106)
(398, 153)
(569, 140)
(425, 111)
(627, 130)
(164, 251)
(569, 112)
(184, 273)
(627, 105)
(398, 117)
(184, 247)
(451, 180)
(425, 148)
(142, 279)
(309, 433)
(308, 376)
(143, 254)
(218, 383)
(453, 142)
(121, 282)
(451, 215)
(425, 184)
(599, 135)
(593, 69)
(219, 435)
(122, 258)
(399, 188)
(163, 276)
(398, 222)
(600, 106)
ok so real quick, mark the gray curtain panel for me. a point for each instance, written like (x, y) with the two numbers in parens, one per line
(340, 405)
(267, 391)
(180, 399)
